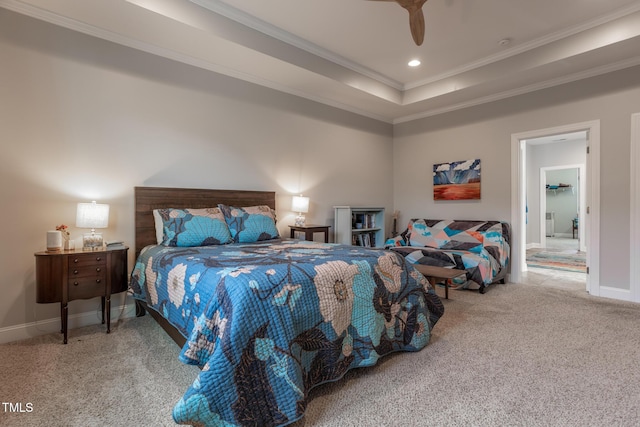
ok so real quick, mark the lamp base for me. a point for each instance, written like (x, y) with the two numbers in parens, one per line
(300, 220)
(92, 241)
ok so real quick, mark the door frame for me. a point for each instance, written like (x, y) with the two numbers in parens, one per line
(634, 252)
(518, 198)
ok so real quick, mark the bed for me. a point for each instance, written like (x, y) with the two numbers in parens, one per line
(268, 319)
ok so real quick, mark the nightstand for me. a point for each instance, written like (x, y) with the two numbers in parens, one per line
(308, 231)
(71, 275)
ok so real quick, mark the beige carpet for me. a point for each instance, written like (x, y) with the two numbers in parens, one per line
(519, 355)
(130, 377)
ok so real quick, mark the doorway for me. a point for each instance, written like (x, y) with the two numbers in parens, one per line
(520, 209)
(556, 251)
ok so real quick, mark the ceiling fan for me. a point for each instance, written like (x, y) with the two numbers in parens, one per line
(416, 17)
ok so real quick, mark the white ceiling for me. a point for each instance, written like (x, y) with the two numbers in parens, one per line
(353, 54)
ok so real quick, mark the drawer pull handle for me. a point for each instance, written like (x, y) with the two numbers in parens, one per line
(75, 283)
(75, 271)
(75, 260)
(98, 280)
(98, 270)
(98, 258)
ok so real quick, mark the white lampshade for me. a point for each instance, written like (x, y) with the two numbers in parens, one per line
(92, 215)
(300, 204)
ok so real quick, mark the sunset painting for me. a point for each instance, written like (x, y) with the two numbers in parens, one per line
(457, 180)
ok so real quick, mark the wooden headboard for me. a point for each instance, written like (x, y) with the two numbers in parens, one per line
(149, 198)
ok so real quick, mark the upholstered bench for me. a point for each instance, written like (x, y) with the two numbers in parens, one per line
(481, 248)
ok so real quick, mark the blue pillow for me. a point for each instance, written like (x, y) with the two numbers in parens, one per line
(250, 224)
(194, 227)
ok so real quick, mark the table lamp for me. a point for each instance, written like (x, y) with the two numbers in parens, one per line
(300, 204)
(92, 215)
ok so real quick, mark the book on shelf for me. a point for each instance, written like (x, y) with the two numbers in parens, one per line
(363, 220)
(365, 239)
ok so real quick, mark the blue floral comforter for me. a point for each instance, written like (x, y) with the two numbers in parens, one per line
(266, 322)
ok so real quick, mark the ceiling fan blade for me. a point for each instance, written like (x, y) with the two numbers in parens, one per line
(416, 22)
(416, 17)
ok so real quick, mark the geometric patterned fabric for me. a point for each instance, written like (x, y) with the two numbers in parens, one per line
(482, 248)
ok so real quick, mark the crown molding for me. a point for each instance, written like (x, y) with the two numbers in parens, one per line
(527, 46)
(230, 12)
(47, 16)
(592, 72)
(91, 30)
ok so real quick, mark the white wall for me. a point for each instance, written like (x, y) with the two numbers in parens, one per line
(485, 132)
(83, 119)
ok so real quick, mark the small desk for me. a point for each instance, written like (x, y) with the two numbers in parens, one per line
(308, 231)
(434, 274)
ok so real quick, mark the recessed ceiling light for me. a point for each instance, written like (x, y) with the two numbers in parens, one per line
(414, 63)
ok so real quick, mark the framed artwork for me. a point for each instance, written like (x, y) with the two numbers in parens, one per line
(457, 180)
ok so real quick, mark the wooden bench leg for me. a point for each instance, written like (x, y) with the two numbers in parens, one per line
(434, 284)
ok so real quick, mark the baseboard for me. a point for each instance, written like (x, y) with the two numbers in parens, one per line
(539, 245)
(48, 326)
(615, 293)
(565, 235)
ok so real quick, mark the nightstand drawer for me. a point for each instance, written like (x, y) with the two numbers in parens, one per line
(87, 271)
(86, 287)
(81, 260)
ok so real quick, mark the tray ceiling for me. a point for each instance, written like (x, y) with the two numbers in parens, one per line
(353, 54)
